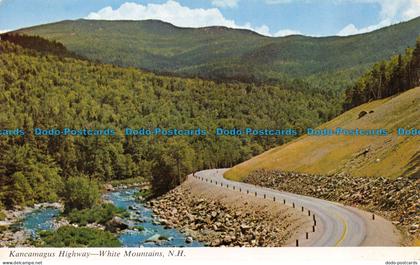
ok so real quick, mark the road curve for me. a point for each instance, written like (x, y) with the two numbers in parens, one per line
(336, 224)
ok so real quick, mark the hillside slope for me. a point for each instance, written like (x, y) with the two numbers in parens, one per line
(388, 156)
(43, 93)
(219, 52)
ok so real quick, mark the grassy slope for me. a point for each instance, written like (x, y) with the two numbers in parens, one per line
(333, 154)
(222, 52)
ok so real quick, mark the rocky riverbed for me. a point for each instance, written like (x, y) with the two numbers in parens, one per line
(396, 199)
(11, 230)
(139, 228)
(226, 218)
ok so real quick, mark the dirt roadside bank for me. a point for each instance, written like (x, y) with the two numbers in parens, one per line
(221, 217)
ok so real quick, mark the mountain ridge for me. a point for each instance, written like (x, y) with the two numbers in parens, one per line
(226, 53)
(215, 27)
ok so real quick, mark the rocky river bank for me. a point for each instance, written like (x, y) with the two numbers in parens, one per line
(133, 226)
(396, 199)
(11, 231)
(225, 218)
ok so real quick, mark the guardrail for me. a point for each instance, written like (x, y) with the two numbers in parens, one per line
(264, 196)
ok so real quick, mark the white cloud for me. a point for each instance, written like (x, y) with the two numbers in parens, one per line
(287, 32)
(174, 13)
(170, 11)
(225, 3)
(263, 30)
(392, 11)
(351, 29)
(4, 30)
(412, 10)
(398, 9)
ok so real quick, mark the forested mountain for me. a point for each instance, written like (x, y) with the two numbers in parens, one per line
(57, 91)
(223, 53)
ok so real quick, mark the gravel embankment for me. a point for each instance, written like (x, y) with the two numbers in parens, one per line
(396, 199)
(222, 217)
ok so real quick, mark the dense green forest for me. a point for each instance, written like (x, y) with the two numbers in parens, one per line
(220, 53)
(386, 78)
(41, 45)
(42, 90)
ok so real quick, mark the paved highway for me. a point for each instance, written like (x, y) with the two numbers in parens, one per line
(336, 224)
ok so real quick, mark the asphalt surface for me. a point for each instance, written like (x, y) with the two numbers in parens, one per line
(335, 224)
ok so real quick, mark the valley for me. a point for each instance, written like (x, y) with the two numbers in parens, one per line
(352, 179)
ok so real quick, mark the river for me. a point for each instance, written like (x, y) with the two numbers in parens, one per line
(43, 219)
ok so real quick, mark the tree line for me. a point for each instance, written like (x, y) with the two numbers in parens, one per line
(386, 78)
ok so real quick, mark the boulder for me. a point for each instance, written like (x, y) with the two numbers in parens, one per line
(215, 243)
(116, 224)
(227, 240)
(245, 228)
(362, 113)
(156, 238)
(109, 187)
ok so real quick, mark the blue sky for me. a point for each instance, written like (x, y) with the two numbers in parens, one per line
(268, 17)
